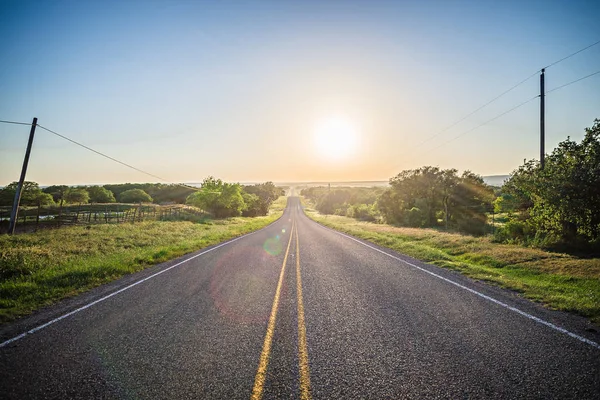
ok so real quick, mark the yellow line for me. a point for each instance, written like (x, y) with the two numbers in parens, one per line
(302, 348)
(261, 373)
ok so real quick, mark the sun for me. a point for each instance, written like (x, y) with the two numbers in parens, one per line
(336, 138)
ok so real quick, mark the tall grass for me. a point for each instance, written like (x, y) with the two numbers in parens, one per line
(38, 269)
(560, 281)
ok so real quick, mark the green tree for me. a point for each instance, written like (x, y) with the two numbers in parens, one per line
(562, 201)
(57, 192)
(471, 199)
(218, 198)
(76, 196)
(135, 196)
(30, 194)
(267, 193)
(253, 205)
(505, 203)
(333, 200)
(419, 197)
(424, 185)
(44, 199)
(99, 194)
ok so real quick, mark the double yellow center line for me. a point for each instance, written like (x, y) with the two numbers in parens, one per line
(261, 373)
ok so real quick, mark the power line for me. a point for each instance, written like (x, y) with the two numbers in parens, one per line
(505, 92)
(571, 55)
(478, 109)
(102, 154)
(487, 122)
(14, 122)
(509, 90)
(575, 81)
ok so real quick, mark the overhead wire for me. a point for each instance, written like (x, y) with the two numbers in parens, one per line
(571, 55)
(15, 122)
(505, 92)
(509, 90)
(418, 145)
(102, 154)
(478, 109)
(487, 122)
(572, 82)
(514, 108)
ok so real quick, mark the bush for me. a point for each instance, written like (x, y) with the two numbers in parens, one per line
(515, 231)
(415, 218)
(135, 196)
(363, 212)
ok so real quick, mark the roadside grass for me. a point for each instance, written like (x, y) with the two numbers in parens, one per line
(559, 281)
(38, 269)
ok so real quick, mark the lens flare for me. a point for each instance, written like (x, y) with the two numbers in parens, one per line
(273, 246)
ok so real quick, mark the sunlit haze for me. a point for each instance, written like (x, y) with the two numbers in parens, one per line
(336, 138)
(252, 91)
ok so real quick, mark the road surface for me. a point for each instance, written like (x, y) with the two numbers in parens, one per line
(297, 310)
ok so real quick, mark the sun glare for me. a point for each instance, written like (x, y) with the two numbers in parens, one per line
(336, 138)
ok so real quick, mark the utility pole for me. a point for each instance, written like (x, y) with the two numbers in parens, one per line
(542, 122)
(15, 208)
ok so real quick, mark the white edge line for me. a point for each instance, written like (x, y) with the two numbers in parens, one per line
(29, 332)
(523, 313)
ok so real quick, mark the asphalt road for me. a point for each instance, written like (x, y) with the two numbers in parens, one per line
(297, 310)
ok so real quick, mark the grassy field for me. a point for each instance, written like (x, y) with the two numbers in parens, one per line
(38, 269)
(559, 281)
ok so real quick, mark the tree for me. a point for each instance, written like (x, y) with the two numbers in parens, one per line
(99, 194)
(333, 200)
(76, 196)
(57, 192)
(29, 194)
(160, 192)
(419, 197)
(135, 196)
(218, 198)
(266, 193)
(44, 199)
(471, 199)
(562, 201)
(253, 205)
(423, 185)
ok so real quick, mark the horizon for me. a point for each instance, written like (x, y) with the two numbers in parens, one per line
(260, 90)
(486, 178)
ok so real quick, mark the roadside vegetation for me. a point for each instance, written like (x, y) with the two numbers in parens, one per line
(538, 234)
(554, 208)
(560, 281)
(38, 269)
(558, 206)
(60, 205)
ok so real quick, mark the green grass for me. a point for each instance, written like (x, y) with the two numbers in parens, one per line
(559, 281)
(38, 269)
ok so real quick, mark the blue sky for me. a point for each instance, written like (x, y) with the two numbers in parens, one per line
(189, 89)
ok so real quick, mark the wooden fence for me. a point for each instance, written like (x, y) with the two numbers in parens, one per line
(33, 218)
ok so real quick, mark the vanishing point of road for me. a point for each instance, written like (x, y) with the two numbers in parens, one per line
(298, 311)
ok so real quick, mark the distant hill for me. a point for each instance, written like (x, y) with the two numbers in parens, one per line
(495, 180)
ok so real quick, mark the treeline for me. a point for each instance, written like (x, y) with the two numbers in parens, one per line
(33, 195)
(555, 207)
(427, 197)
(558, 205)
(355, 202)
(215, 197)
(222, 199)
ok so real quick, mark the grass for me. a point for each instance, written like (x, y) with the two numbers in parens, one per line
(39, 269)
(559, 281)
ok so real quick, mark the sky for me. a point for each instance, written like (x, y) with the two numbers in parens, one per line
(245, 90)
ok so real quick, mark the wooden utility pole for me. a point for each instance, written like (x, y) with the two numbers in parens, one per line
(542, 122)
(15, 208)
